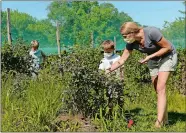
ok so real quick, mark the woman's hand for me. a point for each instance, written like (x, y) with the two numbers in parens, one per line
(107, 71)
(143, 61)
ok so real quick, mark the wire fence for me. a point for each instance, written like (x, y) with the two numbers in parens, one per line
(49, 46)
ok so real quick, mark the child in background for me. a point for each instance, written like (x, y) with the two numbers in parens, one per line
(109, 58)
(38, 57)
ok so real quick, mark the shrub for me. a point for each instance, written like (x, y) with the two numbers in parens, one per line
(85, 86)
(15, 58)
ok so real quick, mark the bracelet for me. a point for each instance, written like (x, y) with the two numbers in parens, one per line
(119, 63)
(109, 69)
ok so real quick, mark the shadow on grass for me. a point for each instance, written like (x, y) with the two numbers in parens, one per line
(175, 116)
(135, 111)
(132, 113)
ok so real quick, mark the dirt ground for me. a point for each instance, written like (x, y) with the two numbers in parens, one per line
(79, 122)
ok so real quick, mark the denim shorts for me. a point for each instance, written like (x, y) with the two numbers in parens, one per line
(164, 64)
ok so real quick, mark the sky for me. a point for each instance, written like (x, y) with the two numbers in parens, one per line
(151, 13)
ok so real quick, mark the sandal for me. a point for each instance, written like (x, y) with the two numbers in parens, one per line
(160, 124)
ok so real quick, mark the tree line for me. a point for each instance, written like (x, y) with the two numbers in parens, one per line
(78, 20)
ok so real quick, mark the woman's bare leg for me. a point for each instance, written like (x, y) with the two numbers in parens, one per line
(160, 88)
(161, 101)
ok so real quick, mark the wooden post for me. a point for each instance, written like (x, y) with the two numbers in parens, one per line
(92, 39)
(58, 39)
(183, 89)
(8, 27)
(115, 43)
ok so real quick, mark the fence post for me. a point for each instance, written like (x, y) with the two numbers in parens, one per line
(183, 76)
(115, 43)
(58, 38)
(8, 27)
(92, 39)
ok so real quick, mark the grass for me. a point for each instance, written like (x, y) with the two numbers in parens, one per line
(35, 107)
(33, 111)
(143, 112)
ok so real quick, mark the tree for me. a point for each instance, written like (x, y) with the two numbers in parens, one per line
(24, 26)
(78, 19)
(175, 31)
(183, 12)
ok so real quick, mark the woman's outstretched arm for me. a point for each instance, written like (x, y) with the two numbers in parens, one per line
(120, 62)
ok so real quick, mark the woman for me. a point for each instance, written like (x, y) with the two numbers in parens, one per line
(161, 58)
